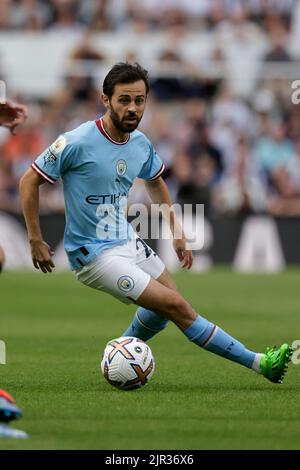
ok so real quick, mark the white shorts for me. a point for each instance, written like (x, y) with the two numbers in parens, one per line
(123, 271)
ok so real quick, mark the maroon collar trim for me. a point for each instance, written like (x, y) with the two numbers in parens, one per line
(99, 124)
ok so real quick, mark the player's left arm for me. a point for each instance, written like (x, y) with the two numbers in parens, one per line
(159, 194)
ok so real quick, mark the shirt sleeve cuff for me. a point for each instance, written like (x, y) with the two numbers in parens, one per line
(158, 174)
(38, 170)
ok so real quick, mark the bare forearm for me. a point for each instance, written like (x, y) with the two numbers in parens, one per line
(30, 204)
(159, 194)
(41, 252)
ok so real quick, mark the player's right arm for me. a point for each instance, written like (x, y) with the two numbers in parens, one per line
(29, 191)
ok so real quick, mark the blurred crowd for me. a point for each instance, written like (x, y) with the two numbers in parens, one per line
(233, 152)
(102, 15)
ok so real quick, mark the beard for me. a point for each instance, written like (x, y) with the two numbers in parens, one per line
(121, 124)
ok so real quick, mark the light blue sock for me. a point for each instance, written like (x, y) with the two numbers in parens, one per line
(145, 324)
(214, 339)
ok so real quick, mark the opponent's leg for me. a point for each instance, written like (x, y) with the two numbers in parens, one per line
(209, 336)
(147, 323)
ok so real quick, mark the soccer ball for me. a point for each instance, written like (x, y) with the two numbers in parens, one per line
(127, 363)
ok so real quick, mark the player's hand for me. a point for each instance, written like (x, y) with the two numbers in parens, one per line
(183, 252)
(41, 254)
(12, 114)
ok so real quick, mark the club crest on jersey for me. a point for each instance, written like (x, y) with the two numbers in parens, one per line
(58, 145)
(125, 283)
(121, 167)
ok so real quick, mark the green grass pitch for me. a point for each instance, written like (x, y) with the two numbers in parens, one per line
(55, 330)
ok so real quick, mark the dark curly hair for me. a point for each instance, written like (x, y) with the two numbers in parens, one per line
(123, 72)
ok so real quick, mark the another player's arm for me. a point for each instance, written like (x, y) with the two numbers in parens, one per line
(12, 114)
(159, 194)
(40, 251)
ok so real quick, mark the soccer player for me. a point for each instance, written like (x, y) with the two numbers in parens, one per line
(98, 162)
(11, 115)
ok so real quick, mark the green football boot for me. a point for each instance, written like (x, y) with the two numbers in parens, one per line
(274, 363)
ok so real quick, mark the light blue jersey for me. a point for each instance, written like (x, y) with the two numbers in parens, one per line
(97, 174)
